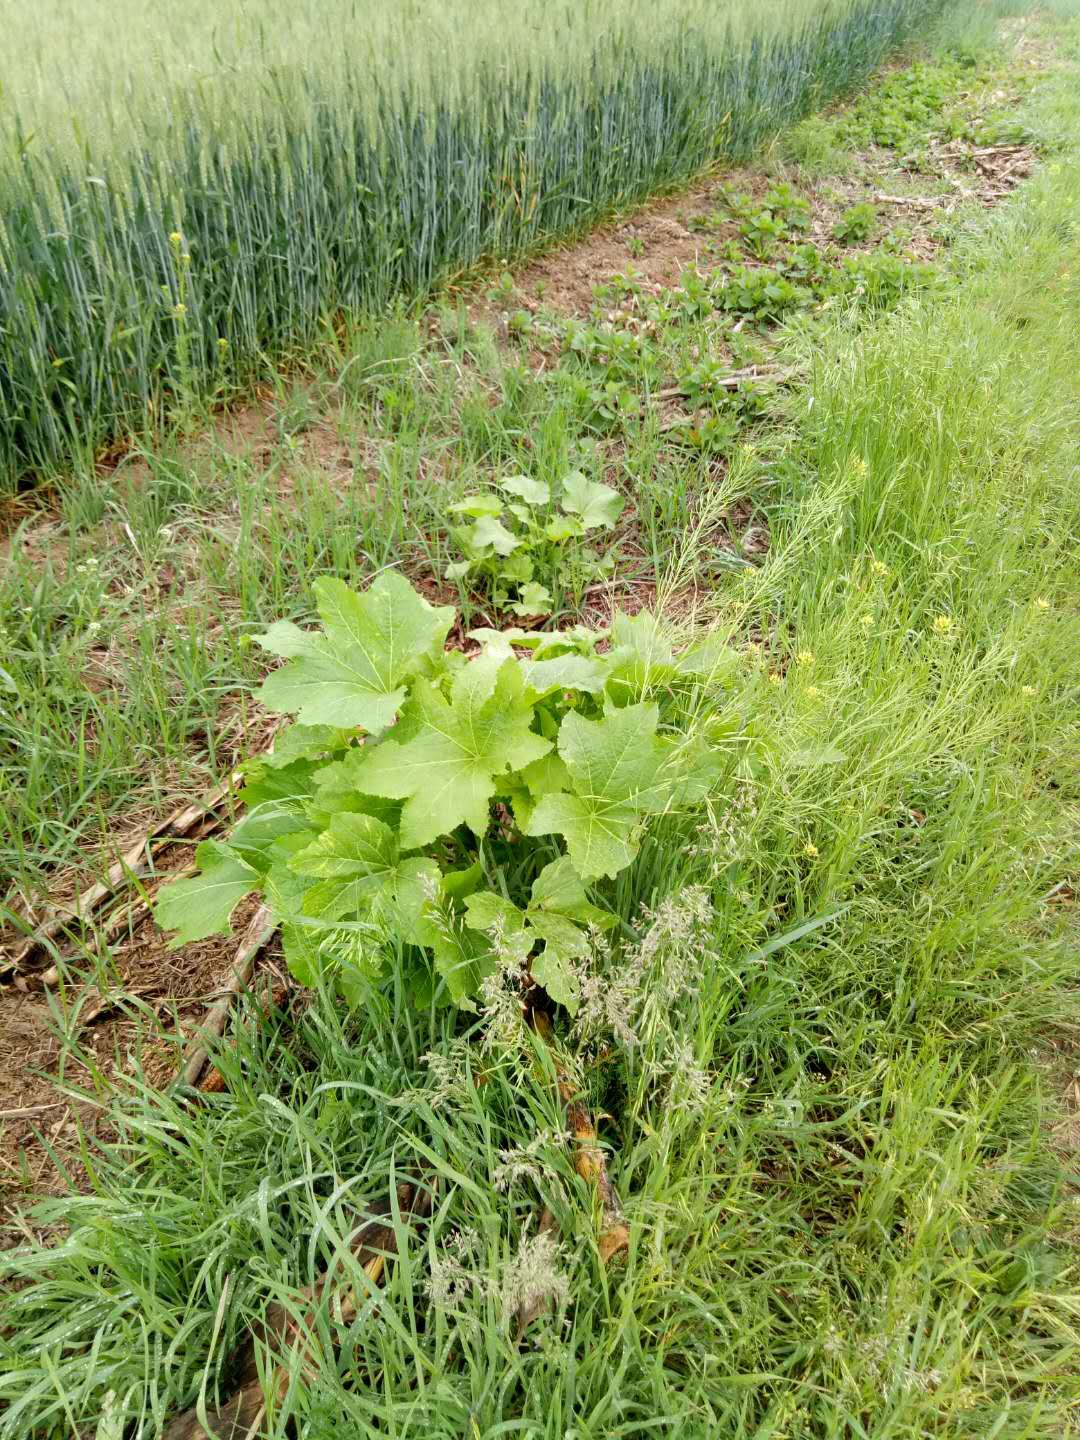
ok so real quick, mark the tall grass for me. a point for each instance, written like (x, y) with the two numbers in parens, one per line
(330, 193)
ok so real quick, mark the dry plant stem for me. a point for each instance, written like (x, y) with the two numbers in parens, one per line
(589, 1159)
(273, 997)
(259, 930)
(732, 381)
(242, 1415)
(135, 861)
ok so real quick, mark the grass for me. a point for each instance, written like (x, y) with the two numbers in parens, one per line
(300, 198)
(830, 1135)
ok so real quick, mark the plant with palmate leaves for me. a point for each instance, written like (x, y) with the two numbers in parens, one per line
(514, 537)
(428, 809)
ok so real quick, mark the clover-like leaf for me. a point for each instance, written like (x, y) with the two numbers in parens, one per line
(614, 766)
(449, 769)
(598, 506)
(353, 673)
(533, 492)
(203, 905)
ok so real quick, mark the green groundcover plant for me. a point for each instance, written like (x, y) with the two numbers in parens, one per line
(448, 814)
(508, 541)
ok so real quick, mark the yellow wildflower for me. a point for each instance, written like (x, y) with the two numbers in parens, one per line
(806, 657)
(1030, 690)
(866, 620)
(810, 850)
(812, 692)
(1042, 603)
(879, 567)
(176, 239)
(179, 309)
(942, 624)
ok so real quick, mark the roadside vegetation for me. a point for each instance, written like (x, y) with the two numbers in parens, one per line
(739, 606)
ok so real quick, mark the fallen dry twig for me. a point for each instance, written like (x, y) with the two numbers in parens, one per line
(258, 932)
(733, 381)
(135, 861)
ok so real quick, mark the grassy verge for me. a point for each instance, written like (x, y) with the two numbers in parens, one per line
(847, 1218)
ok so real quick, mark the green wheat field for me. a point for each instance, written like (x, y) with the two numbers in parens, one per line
(599, 487)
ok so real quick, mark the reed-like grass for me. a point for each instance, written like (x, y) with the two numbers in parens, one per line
(306, 193)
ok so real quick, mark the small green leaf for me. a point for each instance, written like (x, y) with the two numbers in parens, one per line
(559, 890)
(302, 742)
(546, 775)
(553, 968)
(290, 784)
(614, 765)
(533, 599)
(563, 527)
(490, 535)
(360, 871)
(477, 506)
(202, 906)
(598, 506)
(566, 672)
(496, 916)
(533, 492)
(517, 569)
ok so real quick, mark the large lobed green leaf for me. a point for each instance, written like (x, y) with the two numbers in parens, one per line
(354, 673)
(615, 766)
(459, 750)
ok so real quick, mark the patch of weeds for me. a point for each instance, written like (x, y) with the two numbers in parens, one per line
(527, 532)
(878, 280)
(907, 107)
(856, 224)
(475, 764)
(762, 294)
(817, 148)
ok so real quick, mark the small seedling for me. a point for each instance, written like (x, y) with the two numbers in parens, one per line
(856, 224)
(526, 532)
